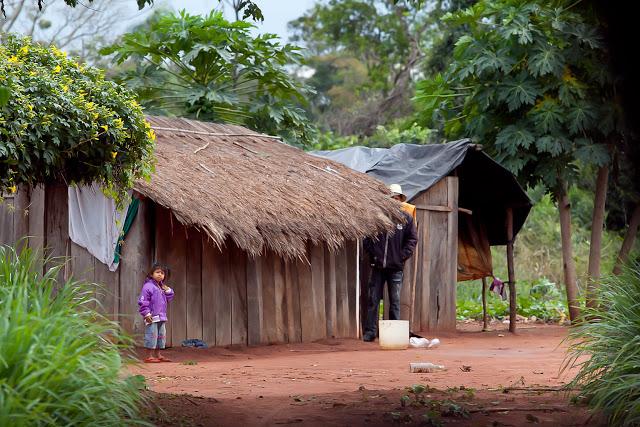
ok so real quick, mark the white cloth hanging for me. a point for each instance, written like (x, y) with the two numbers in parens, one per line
(94, 222)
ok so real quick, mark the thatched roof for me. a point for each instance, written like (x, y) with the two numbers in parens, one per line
(230, 182)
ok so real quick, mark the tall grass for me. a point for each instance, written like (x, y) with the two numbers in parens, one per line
(606, 348)
(60, 361)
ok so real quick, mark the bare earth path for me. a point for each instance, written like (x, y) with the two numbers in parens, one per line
(349, 382)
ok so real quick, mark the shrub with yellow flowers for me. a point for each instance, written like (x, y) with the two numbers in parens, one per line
(63, 122)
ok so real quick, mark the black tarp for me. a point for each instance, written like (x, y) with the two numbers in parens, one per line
(485, 187)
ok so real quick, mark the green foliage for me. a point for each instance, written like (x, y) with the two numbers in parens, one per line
(215, 70)
(384, 137)
(606, 348)
(530, 80)
(364, 54)
(540, 298)
(60, 361)
(63, 121)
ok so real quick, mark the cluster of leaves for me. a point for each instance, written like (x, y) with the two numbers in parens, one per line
(530, 80)
(540, 298)
(62, 121)
(383, 137)
(606, 349)
(215, 70)
(60, 361)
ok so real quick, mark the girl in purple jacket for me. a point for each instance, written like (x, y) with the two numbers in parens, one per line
(153, 301)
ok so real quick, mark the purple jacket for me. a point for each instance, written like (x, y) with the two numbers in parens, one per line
(154, 300)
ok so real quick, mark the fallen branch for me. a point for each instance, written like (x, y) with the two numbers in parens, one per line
(246, 148)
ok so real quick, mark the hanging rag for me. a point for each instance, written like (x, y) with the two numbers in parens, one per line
(498, 287)
(132, 211)
(94, 222)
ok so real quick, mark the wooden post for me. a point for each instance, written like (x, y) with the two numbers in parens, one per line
(512, 279)
(484, 305)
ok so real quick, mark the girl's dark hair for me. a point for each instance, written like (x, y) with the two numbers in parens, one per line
(157, 266)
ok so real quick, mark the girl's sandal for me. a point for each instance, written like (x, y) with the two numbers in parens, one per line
(164, 359)
(152, 360)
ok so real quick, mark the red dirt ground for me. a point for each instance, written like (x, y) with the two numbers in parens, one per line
(349, 382)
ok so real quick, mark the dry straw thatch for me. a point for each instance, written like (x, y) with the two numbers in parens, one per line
(230, 182)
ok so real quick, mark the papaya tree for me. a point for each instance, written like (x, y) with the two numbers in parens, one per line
(530, 80)
(211, 69)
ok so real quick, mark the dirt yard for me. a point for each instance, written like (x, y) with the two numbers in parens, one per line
(491, 379)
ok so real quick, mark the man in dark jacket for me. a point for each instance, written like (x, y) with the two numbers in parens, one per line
(387, 254)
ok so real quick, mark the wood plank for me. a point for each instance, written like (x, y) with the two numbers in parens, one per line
(254, 300)
(224, 303)
(342, 293)
(330, 303)
(36, 219)
(307, 319)
(280, 303)
(82, 266)
(294, 331)
(108, 289)
(135, 261)
(269, 335)
(21, 215)
(438, 255)
(7, 210)
(312, 298)
(213, 265)
(177, 261)
(194, 284)
(423, 275)
(448, 310)
(365, 277)
(353, 286)
(57, 226)
(238, 287)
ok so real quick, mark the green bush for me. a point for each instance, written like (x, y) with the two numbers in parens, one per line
(540, 298)
(606, 348)
(60, 361)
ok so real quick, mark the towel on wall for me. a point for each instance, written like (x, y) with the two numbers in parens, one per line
(94, 222)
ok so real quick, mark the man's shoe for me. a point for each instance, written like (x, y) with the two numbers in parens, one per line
(369, 337)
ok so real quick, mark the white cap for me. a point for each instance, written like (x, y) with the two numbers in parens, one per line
(396, 189)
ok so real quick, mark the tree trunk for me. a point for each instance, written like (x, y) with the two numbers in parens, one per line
(629, 239)
(569, 266)
(597, 224)
(511, 273)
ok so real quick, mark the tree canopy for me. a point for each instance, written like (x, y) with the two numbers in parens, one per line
(62, 121)
(531, 81)
(215, 70)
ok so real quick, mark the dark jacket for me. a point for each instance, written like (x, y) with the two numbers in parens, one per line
(392, 250)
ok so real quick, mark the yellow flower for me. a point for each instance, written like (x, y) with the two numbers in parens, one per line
(13, 59)
(114, 154)
(57, 69)
(30, 107)
(24, 50)
(151, 135)
(65, 88)
(13, 188)
(118, 123)
(32, 73)
(105, 127)
(90, 106)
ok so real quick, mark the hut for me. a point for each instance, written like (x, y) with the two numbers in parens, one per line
(466, 202)
(261, 238)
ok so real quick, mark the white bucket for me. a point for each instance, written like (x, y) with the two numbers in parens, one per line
(394, 334)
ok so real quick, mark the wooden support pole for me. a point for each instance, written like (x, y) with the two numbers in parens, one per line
(485, 326)
(512, 279)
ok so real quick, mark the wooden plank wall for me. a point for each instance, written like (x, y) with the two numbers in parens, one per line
(435, 297)
(7, 212)
(222, 295)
